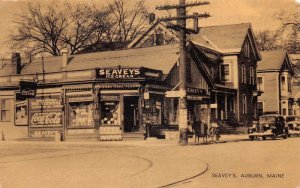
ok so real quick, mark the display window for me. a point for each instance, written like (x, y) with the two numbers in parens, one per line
(110, 113)
(81, 114)
(171, 111)
(153, 109)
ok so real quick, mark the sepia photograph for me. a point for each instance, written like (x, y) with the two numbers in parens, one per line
(149, 93)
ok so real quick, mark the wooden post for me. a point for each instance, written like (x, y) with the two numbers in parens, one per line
(183, 119)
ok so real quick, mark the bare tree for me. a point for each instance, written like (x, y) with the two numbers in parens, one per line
(267, 40)
(125, 23)
(57, 26)
(290, 26)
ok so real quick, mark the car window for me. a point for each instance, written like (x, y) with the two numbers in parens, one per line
(292, 118)
(267, 119)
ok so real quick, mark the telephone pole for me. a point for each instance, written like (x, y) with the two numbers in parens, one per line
(183, 31)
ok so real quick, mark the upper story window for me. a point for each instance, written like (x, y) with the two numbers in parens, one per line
(244, 101)
(5, 110)
(289, 84)
(225, 73)
(283, 84)
(252, 76)
(260, 83)
(244, 74)
(247, 49)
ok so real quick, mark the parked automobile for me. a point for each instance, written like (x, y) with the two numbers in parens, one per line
(271, 126)
(293, 124)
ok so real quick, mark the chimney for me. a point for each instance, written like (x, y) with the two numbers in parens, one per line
(16, 60)
(64, 53)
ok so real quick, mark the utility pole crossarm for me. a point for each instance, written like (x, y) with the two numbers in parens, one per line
(205, 15)
(168, 7)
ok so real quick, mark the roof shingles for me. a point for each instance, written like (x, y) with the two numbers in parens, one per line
(159, 57)
(271, 60)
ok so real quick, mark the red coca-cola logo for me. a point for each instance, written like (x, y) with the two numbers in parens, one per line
(47, 118)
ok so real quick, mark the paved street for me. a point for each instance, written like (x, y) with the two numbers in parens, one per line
(152, 163)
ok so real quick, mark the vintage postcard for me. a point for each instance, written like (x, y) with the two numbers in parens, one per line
(149, 93)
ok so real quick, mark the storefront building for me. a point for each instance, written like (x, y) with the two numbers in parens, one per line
(100, 96)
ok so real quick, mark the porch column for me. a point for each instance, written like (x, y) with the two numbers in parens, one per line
(217, 108)
(225, 106)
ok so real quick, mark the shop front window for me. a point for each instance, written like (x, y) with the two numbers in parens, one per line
(171, 112)
(110, 113)
(81, 114)
(5, 110)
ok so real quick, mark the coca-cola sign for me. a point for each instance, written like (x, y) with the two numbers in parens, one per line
(46, 119)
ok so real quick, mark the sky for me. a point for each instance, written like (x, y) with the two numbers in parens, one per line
(260, 13)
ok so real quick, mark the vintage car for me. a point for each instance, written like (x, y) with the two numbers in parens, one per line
(293, 124)
(271, 125)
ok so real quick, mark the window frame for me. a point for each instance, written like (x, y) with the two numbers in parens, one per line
(252, 76)
(229, 72)
(244, 104)
(283, 83)
(289, 84)
(263, 107)
(244, 74)
(261, 86)
(7, 109)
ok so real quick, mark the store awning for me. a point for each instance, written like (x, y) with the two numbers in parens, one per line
(78, 87)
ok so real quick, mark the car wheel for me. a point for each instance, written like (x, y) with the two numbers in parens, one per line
(274, 137)
(251, 138)
(284, 136)
(264, 138)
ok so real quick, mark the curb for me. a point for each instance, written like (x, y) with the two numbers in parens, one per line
(183, 180)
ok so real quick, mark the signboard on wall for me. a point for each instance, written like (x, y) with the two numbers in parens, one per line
(128, 73)
(196, 91)
(52, 102)
(46, 119)
(28, 89)
(45, 112)
(119, 73)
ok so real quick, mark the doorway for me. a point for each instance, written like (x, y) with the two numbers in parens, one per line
(131, 114)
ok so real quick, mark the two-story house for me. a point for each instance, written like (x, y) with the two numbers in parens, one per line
(274, 78)
(232, 57)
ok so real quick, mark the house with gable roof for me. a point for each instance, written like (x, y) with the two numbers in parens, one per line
(231, 60)
(275, 77)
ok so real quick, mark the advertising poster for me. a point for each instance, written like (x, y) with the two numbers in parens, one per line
(21, 113)
(45, 112)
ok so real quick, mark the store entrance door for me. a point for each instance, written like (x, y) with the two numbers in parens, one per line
(131, 114)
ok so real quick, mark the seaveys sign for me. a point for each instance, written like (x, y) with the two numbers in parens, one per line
(119, 73)
(128, 73)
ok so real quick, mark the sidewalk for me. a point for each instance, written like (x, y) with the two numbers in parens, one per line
(148, 142)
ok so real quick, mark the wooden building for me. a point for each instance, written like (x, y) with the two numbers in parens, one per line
(108, 95)
(275, 76)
